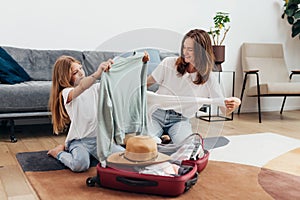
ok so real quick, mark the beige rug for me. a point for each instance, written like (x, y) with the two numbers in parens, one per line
(219, 180)
(260, 166)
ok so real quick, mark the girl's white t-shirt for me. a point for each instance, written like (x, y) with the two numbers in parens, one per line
(82, 112)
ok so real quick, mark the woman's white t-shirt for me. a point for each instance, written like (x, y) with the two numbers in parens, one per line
(170, 83)
(82, 112)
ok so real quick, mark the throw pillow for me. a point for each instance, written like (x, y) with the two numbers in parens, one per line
(10, 71)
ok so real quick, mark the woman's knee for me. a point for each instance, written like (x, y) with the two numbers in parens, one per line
(180, 131)
(155, 129)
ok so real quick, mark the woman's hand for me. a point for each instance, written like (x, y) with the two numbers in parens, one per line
(231, 104)
(146, 57)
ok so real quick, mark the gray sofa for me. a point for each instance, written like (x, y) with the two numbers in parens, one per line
(30, 99)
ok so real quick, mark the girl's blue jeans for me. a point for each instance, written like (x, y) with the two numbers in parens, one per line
(77, 158)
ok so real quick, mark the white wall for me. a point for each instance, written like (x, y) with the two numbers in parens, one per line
(89, 24)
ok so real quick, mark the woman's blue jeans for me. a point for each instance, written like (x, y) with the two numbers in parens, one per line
(168, 121)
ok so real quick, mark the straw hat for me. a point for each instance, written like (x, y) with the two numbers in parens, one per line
(140, 150)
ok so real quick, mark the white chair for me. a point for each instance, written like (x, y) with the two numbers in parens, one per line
(264, 66)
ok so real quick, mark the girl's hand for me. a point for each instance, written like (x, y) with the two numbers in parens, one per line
(146, 57)
(105, 66)
(232, 103)
(87, 82)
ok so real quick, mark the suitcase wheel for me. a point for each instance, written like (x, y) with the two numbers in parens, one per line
(90, 182)
(191, 182)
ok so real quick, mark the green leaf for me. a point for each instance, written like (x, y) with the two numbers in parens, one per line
(297, 24)
(289, 11)
(294, 2)
(297, 15)
(295, 33)
(290, 20)
(296, 28)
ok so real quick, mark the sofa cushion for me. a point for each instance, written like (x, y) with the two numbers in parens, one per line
(39, 63)
(27, 96)
(276, 88)
(10, 71)
(92, 59)
(164, 54)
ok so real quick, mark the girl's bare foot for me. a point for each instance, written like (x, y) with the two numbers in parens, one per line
(56, 150)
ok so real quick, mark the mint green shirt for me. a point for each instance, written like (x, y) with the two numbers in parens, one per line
(122, 103)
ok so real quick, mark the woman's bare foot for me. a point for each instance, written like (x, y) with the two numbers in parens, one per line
(54, 152)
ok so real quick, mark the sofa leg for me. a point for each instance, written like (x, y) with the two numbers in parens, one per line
(4, 123)
(12, 137)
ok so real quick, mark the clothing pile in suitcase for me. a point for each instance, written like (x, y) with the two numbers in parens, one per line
(150, 168)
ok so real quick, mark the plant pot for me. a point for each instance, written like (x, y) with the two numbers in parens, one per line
(219, 52)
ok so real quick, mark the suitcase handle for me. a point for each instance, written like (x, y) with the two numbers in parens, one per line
(191, 182)
(136, 182)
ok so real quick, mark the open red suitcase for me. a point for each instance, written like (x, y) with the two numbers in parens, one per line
(144, 183)
(127, 180)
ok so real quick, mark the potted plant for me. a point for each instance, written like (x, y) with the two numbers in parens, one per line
(292, 10)
(218, 34)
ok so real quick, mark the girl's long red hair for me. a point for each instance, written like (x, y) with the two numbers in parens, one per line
(61, 78)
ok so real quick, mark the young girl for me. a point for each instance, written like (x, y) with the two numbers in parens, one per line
(73, 104)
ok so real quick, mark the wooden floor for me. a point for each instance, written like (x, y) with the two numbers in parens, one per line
(13, 184)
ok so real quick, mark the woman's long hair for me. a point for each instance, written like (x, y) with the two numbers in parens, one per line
(61, 78)
(203, 55)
